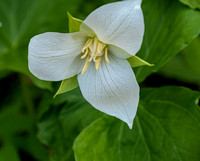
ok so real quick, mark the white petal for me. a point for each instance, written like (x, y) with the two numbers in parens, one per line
(112, 89)
(119, 23)
(55, 56)
(118, 52)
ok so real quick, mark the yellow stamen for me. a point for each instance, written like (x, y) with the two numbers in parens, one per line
(89, 41)
(100, 47)
(94, 50)
(98, 63)
(85, 54)
(85, 66)
(106, 55)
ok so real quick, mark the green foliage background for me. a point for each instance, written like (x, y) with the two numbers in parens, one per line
(35, 127)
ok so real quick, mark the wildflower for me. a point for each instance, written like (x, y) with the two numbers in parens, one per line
(97, 54)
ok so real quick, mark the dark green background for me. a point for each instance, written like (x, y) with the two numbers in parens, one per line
(35, 127)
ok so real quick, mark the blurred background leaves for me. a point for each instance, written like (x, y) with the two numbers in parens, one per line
(60, 122)
(169, 27)
(185, 66)
(35, 127)
(192, 3)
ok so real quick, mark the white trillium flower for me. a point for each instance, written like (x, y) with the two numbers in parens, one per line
(97, 54)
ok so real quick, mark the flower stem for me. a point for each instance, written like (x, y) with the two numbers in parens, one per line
(27, 98)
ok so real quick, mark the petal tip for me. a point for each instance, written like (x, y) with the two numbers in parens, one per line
(130, 124)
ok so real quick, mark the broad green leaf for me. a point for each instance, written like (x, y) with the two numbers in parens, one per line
(185, 66)
(135, 61)
(169, 27)
(166, 128)
(192, 3)
(67, 85)
(74, 23)
(60, 122)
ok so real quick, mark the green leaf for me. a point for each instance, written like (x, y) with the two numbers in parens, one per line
(192, 3)
(74, 23)
(135, 61)
(60, 122)
(185, 66)
(67, 85)
(169, 27)
(167, 127)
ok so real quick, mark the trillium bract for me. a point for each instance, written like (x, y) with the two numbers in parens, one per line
(97, 54)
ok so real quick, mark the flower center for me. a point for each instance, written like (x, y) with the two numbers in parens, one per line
(94, 50)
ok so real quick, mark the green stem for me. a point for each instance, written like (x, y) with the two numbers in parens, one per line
(27, 98)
